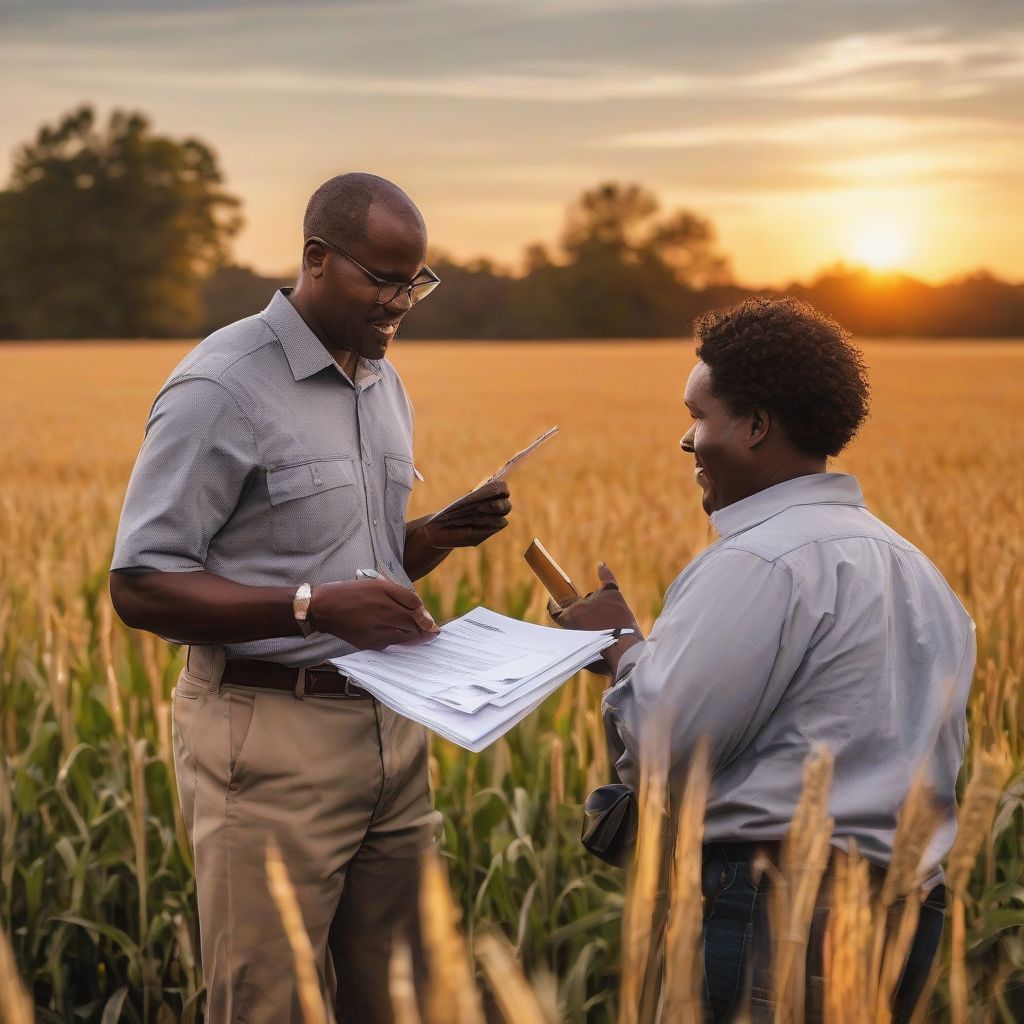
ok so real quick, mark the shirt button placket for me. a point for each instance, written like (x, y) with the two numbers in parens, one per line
(371, 496)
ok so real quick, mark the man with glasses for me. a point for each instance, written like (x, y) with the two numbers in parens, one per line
(264, 526)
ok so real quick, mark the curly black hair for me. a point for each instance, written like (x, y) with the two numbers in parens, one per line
(782, 355)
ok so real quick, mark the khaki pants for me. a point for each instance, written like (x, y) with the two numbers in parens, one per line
(341, 784)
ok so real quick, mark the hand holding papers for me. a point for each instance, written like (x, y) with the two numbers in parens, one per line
(481, 675)
(474, 517)
(470, 520)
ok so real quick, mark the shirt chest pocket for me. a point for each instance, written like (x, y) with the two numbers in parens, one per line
(314, 505)
(397, 487)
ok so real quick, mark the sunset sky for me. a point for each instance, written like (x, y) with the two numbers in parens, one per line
(887, 132)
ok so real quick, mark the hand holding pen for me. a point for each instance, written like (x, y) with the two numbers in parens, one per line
(370, 611)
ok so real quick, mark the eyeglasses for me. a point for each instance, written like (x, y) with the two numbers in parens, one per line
(387, 291)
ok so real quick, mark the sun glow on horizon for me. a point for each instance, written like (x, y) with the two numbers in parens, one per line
(880, 245)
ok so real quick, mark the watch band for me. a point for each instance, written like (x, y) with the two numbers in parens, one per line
(300, 608)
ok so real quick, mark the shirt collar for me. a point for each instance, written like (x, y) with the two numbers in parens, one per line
(304, 351)
(814, 489)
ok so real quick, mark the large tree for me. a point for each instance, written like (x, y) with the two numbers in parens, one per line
(109, 231)
(621, 224)
(626, 269)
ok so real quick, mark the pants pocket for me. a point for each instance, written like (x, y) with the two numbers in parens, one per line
(241, 711)
(186, 771)
(728, 929)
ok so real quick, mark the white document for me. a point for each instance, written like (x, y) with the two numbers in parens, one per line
(483, 673)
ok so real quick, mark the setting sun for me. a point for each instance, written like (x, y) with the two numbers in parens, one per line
(881, 246)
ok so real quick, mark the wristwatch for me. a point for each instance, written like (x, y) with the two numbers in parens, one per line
(300, 608)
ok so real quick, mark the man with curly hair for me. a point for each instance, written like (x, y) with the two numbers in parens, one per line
(808, 623)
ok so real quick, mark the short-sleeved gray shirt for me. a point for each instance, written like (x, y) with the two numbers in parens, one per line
(263, 463)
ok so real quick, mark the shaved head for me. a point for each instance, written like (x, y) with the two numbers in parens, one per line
(360, 232)
(339, 210)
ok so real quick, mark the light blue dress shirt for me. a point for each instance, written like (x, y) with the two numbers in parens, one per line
(809, 621)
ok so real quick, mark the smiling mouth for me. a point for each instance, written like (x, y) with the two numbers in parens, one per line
(386, 329)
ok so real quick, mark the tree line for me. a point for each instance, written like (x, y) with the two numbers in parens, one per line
(113, 230)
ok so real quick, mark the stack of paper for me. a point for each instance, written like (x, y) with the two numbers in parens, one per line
(479, 676)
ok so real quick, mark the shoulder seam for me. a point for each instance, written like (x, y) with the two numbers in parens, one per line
(186, 377)
(908, 547)
(754, 554)
(248, 352)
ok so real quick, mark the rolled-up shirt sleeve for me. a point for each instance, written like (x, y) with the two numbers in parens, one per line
(708, 667)
(197, 456)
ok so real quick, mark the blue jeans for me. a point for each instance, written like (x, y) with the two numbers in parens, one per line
(738, 944)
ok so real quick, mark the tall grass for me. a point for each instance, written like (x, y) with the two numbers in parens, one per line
(96, 889)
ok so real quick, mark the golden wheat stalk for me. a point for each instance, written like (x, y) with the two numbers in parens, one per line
(580, 736)
(57, 677)
(137, 768)
(683, 1002)
(981, 798)
(958, 960)
(15, 1005)
(516, 999)
(283, 892)
(804, 858)
(924, 1000)
(897, 949)
(153, 675)
(598, 768)
(106, 634)
(918, 819)
(401, 984)
(640, 917)
(556, 790)
(848, 942)
(451, 993)
(914, 828)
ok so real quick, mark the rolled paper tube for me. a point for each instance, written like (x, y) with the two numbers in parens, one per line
(551, 574)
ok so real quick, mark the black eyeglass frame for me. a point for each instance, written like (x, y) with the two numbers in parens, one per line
(381, 282)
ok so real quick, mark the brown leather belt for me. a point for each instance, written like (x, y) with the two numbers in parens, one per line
(318, 681)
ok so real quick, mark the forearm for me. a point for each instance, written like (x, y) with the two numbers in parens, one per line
(200, 607)
(420, 556)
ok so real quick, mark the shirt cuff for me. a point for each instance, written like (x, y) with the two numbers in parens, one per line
(152, 562)
(627, 661)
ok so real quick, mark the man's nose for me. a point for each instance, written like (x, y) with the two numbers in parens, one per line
(686, 442)
(401, 303)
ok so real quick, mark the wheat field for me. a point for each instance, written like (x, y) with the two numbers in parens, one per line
(95, 874)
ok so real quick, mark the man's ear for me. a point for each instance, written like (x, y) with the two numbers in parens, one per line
(760, 425)
(313, 260)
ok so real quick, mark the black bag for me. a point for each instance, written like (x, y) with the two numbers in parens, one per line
(610, 823)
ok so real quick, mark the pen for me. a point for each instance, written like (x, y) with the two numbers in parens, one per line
(368, 574)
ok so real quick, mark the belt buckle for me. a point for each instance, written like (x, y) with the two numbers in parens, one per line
(305, 684)
(307, 676)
